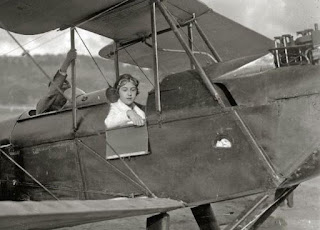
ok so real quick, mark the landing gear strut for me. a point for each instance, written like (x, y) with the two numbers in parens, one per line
(158, 222)
(205, 217)
(259, 211)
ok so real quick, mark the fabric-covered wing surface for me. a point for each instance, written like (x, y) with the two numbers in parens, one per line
(230, 39)
(132, 20)
(117, 19)
(37, 16)
(54, 214)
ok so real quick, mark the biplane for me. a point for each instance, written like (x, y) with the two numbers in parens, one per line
(232, 122)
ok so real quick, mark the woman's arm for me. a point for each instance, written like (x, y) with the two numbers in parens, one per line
(135, 118)
(116, 118)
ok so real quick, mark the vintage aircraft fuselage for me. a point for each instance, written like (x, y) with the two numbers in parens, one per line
(196, 151)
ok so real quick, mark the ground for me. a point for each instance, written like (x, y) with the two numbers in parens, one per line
(306, 211)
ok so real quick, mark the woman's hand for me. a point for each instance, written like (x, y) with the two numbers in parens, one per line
(135, 118)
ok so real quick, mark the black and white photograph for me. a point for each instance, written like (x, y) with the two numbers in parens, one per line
(159, 114)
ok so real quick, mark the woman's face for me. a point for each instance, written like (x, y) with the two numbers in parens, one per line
(128, 93)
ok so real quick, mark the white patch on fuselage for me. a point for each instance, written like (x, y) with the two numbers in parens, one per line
(223, 143)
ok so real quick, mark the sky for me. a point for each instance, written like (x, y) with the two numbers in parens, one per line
(268, 17)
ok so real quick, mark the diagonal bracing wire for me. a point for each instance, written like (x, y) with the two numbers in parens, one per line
(36, 63)
(26, 172)
(141, 184)
(242, 125)
(5, 53)
(181, 29)
(36, 47)
(131, 170)
(108, 163)
(95, 62)
(138, 67)
(50, 40)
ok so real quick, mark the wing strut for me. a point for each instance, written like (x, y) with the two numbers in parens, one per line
(198, 67)
(264, 158)
(116, 60)
(155, 57)
(190, 36)
(206, 40)
(73, 83)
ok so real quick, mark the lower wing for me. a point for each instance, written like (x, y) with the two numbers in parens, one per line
(55, 214)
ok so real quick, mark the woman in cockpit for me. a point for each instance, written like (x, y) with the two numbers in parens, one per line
(125, 111)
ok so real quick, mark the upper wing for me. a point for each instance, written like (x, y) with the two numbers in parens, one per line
(127, 20)
(34, 16)
(55, 214)
(116, 19)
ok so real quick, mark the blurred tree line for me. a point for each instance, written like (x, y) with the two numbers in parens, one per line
(22, 83)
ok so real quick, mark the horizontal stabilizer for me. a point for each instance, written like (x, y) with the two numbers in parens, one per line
(55, 214)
